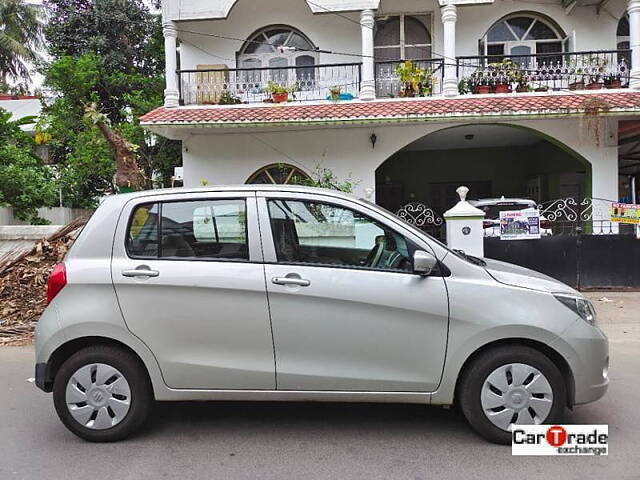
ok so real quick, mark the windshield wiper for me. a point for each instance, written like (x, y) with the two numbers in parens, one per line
(470, 258)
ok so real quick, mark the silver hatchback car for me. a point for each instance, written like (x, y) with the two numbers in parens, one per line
(300, 294)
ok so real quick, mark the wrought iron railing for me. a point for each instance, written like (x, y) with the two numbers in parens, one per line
(388, 82)
(249, 85)
(426, 219)
(570, 216)
(544, 71)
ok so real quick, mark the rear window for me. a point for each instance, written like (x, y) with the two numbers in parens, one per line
(208, 229)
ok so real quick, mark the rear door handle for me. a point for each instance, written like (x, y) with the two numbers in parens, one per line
(300, 282)
(142, 271)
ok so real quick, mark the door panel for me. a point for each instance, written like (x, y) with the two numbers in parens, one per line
(206, 320)
(358, 329)
(346, 311)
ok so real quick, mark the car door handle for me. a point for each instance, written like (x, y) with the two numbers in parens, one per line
(140, 272)
(300, 282)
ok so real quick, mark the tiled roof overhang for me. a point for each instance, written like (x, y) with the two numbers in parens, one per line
(496, 107)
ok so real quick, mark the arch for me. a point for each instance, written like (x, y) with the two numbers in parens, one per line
(420, 171)
(523, 32)
(278, 174)
(402, 37)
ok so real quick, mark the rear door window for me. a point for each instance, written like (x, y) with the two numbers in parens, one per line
(142, 237)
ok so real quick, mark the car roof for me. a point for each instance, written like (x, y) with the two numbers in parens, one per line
(125, 197)
(497, 201)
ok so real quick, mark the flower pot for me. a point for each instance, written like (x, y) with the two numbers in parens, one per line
(524, 89)
(576, 86)
(614, 84)
(594, 86)
(280, 97)
(503, 88)
(483, 89)
(542, 89)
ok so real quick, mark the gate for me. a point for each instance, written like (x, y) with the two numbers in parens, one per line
(425, 218)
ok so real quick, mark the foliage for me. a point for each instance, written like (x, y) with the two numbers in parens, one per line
(25, 183)
(228, 98)
(415, 80)
(107, 53)
(20, 39)
(278, 89)
(323, 177)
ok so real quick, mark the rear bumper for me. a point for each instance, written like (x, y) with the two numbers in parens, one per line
(42, 382)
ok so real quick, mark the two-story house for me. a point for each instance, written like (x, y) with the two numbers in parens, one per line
(520, 98)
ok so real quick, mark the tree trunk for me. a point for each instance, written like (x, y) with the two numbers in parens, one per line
(129, 176)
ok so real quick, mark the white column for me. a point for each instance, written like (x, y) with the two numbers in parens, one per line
(634, 41)
(450, 82)
(171, 94)
(464, 226)
(368, 81)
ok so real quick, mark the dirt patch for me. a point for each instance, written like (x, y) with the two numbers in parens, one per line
(23, 285)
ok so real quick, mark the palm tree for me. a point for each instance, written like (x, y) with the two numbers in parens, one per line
(21, 36)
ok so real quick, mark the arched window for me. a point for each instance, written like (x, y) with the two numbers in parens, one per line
(622, 39)
(402, 37)
(278, 174)
(288, 51)
(522, 34)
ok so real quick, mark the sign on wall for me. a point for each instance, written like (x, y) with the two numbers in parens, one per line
(625, 213)
(520, 224)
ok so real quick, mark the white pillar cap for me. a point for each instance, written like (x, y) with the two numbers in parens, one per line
(463, 208)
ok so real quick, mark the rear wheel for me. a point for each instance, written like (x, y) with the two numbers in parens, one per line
(511, 386)
(102, 393)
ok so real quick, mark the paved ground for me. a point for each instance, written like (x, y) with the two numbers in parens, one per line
(309, 441)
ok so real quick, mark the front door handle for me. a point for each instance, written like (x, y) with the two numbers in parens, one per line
(141, 271)
(297, 281)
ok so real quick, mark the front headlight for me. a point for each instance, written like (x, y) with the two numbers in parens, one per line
(579, 305)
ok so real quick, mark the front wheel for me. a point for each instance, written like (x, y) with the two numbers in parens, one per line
(102, 393)
(510, 386)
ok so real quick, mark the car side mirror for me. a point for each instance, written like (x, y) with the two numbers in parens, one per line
(423, 263)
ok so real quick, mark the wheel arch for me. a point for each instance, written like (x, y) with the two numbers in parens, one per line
(67, 349)
(543, 348)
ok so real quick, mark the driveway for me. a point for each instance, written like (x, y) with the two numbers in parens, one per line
(309, 441)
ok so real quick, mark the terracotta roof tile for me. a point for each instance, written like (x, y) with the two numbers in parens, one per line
(392, 110)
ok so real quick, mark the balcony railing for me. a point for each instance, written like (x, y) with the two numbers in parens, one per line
(249, 85)
(388, 82)
(545, 71)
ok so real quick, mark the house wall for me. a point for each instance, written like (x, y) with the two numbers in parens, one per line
(231, 158)
(594, 30)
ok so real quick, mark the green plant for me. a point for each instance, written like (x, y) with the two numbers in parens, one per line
(415, 80)
(278, 89)
(335, 92)
(323, 177)
(228, 98)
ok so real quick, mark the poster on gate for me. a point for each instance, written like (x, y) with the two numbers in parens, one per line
(625, 213)
(520, 224)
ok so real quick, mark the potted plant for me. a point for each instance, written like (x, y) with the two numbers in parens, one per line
(228, 98)
(280, 93)
(415, 81)
(335, 93)
(613, 81)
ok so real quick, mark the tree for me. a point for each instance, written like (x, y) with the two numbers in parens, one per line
(25, 183)
(20, 39)
(107, 70)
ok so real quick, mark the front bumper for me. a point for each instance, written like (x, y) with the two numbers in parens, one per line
(586, 349)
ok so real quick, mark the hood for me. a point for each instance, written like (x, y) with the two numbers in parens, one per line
(517, 276)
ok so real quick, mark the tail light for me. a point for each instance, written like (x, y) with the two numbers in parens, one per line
(57, 281)
(546, 224)
(487, 224)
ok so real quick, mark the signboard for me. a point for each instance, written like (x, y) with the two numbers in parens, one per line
(625, 213)
(520, 224)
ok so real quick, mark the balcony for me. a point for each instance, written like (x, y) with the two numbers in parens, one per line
(477, 74)
(543, 72)
(226, 86)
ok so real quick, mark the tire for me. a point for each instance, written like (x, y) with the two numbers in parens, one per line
(109, 381)
(533, 401)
